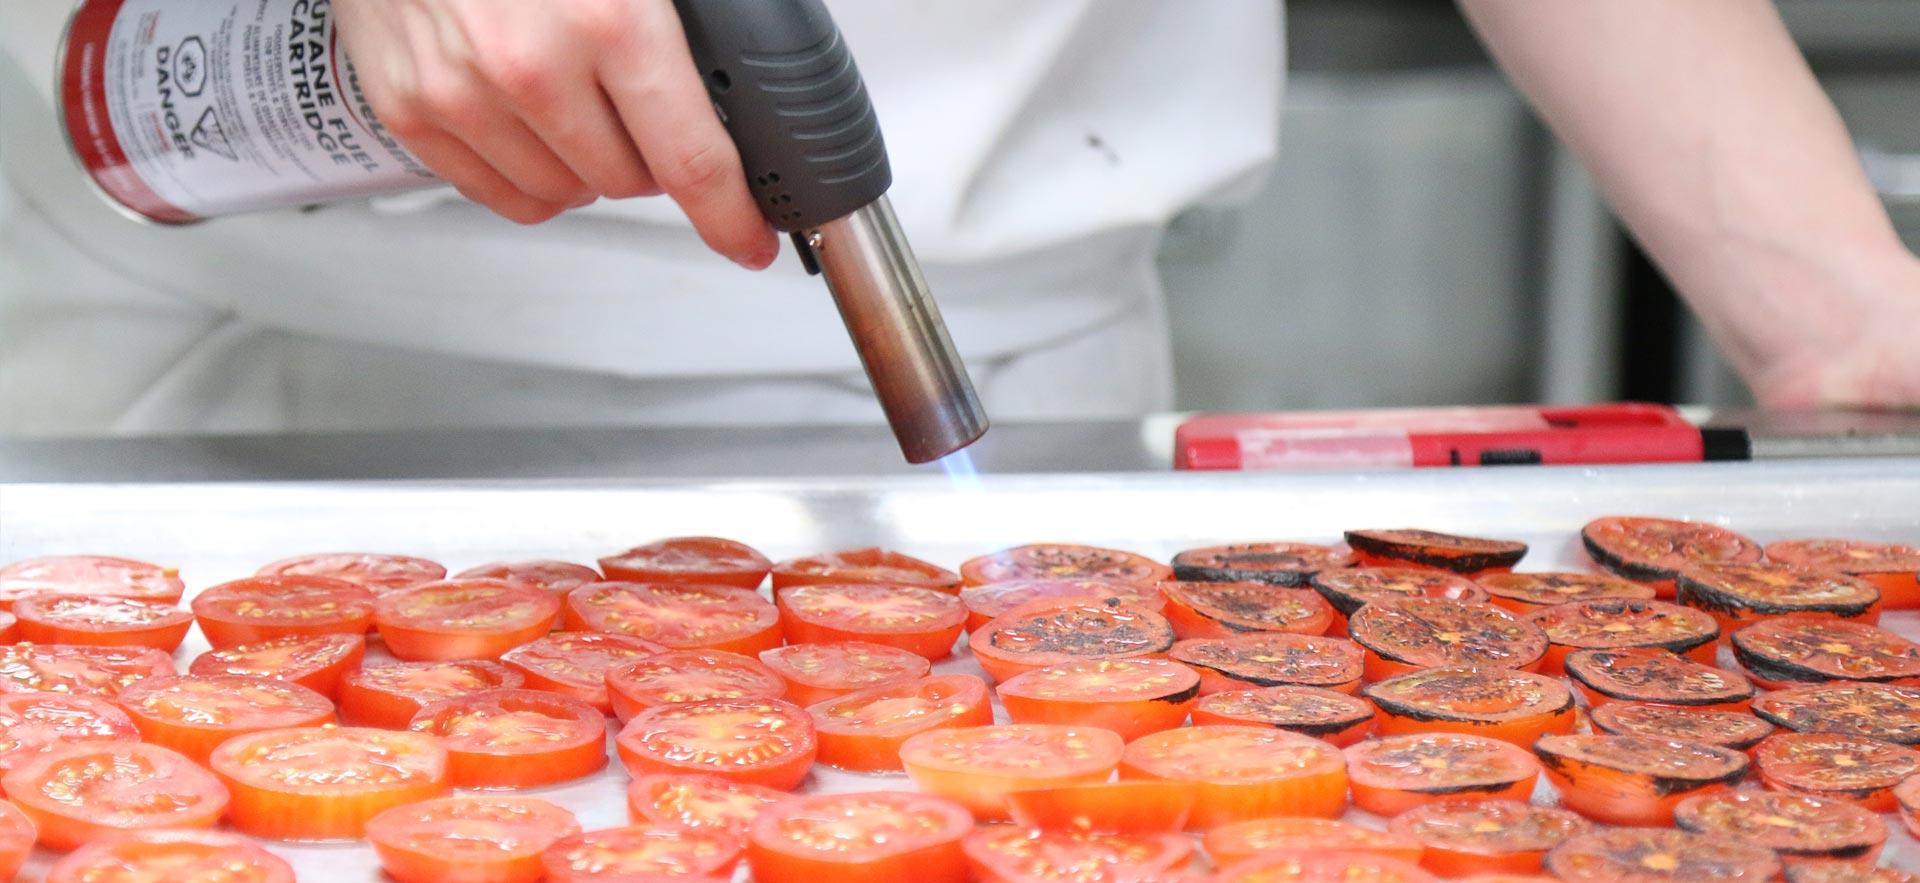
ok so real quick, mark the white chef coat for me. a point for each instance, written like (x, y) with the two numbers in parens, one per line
(1039, 147)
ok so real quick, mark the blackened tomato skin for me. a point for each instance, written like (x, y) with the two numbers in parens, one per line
(1280, 564)
(1468, 556)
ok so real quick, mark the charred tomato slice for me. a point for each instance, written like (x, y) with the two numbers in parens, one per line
(1727, 729)
(1791, 650)
(1279, 564)
(1132, 697)
(1854, 768)
(1404, 634)
(1737, 594)
(1398, 773)
(1041, 634)
(1658, 677)
(1527, 592)
(1409, 547)
(1062, 561)
(1338, 718)
(1618, 624)
(1219, 610)
(1468, 837)
(1655, 855)
(993, 600)
(1273, 660)
(1631, 780)
(1893, 568)
(1347, 590)
(1877, 711)
(1797, 826)
(1653, 550)
(1512, 706)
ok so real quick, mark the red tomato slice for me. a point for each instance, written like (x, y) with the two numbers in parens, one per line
(703, 560)
(1653, 550)
(641, 854)
(1629, 855)
(1019, 855)
(1041, 634)
(925, 622)
(994, 600)
(194, 714)
(1139, 807)
(696, 801)
(1132, 697)
(88, 575)
(1338, 718)
(877, 837)
(1892, 567)
(864, 730)
(1243, 772)
(33, 724)
(1792, 650)
(576, 663)
(1324, 867)
(16, 840)
(1738, 594)
(1231, 844)
(1524, 593)
(1512, 706)
(89, 792)
(1877, 711)
(1726, 729)
(1629, 780)
(1278, 564)
(1842, 767)
(516, 738)
(377, 573)
(753, 741)
(463, 619)
(979, 766)
(316, 663)
(1062, 561)
(1907, 795)
(683, 617)
(688, 676)
(1461, 838)
(262, 608)
(102, 621)
(1798, 827)
(80, 670)
(553, 577)
(9, 628)
(389, 695)
(158, 856)
(1619, 624)
(1656, 677)
(325, 783)
(458, 839)
(1220, 610)
(1398, 773)
(1404, 634)
(818, 672)
(1272, 660)
(1468, 556)
(868, 565)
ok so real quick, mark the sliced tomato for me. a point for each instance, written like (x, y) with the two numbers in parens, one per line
(1132, 697)
(1243, 772)
(156, 856)
(979, 766)
(698, 801)
(925, 622)
(1878, 711)
(1219, 610)
(1317, 866)
(753, 741)
(1398, 773)
(1843, 872)
(1790, 650)
(864, 730)
(102, 621)
(688, 676)
(641, 853)
(261, 608)
(1512, 706)
(88, 575)
(1649, 855)
(991, 601)
(76, 669)
(877, 837)
(1235, 843)
(680, 616)
(194, 714)
(1656, 677)
(390, 694)
(16, 840)
(1462, 838)
(463, 619)
(1619, 624)
(1653, 550)
(1338, 718)
(325, 783)
(818, 672)
(516, 738)
(1137, 807)
(1278, 564)
(317, 663)
(1524, 593)
(1404, 634)
(1727, 729)
(376, 572)
(868, 565)
(9, 628)
(1022, 855)
(1349, 590)
(32, 724)
(1838, 766)
(1041, 634)
(1632, 780)
(701, 560)
(553, 577)
(1062, 561)
(89, 792)
(1407, 547)
(576, 663)
(1738, 594)
(1272, 660)
(1907, 796)
(468, 839)
(1798, 827)
(1893, 568)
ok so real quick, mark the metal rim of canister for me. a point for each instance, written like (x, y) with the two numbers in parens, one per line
(66, 130)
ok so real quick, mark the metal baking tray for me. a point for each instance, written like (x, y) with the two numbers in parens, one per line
(216, 532)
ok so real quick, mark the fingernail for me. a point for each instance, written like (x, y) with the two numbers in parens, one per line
(759, 260)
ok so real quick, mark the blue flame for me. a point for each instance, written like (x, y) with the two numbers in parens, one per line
(960, 470)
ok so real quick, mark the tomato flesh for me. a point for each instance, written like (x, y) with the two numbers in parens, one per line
(978, 767)
(194, 714)
(1349, 590)
(878, 837)
(1132, 697)
(640, 853)
(1243, 773)
(76, 669)
(516, 738)
(317, 663)
(1726, 729)
(865, 729)
(576, 663)
(1230, 844)
(162, 856)
(678, 616)
(1397, 773)
(468, 839)
(1620, 624)
(389, 695)
(697, 801)
(553, 577)
(88, 575)
(925, 622)
(868, 565)
(89, 792)
(1837, 766)
(1037, 856)
(1654, 854)
(1041, 634)
(1138, 807)
(986, 603)
(16, 840)
(1630, 780)
(1797, 827)
(463, 619)
(1787, 651)
(1526, 592)
(102, 621)
(817, 672)
(1878, 711)
(1279, 564)
(1219, 610)
(263, 608)
(702, 560)
(325, 783)
(1337, 718)
(33, 724)
(688, 676)
(375, 572)
(1062, 561)
(1512, 706)
(1404, 634)
(1460, 838)
(753, 741)
(1656, 677)
(1272, 660)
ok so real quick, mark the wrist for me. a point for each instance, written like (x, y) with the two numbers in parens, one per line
(1853, 344)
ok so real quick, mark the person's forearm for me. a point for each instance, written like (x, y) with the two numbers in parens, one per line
(1716, 145)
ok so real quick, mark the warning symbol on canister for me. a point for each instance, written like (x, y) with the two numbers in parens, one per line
(207, 135)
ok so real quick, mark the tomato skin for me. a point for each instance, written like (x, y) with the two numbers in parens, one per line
(1339, 719)
(1893, 568)
(311, 783)
(1461, 838)
(1511, 706)
(376, 572)
(1392, 775)
(102, 621)
(986, 603)
(194, 714)
(468, 839)
(88, 575)
(702, 560)
(1243, 773)
(697, 801)
(926, 622)
(978, 767)
(815, 673)
(1323, 867)
(1467, 556)
(575, 664)
(388, 696)
(1041, 634)
(1279, 564)
(1221, 610)
(1656, 677)
(16, 840)
(173, 855)
(1841, 767)
(679, 616)
(555, 577)
(659, 739)
(1654, 550)
(1404, 634)
(1629, 780)
(1061, 561)
(1235, 843)
(1621, 624)
(1799, 828)
(1144, 806)
(479, 731)
(78, 669)
(688, 676)
(641, 854)
(878, 837)
(463, 619)
(1272, 660)
(1652, 855)
(867, 565)
(1131, 697)
(1017, 855)
(261, 608)
(317, 663)
(33, 724)
(851, 740)
(63, 792)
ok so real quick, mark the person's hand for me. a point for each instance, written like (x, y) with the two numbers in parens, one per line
(1870, 357)
(531, 108)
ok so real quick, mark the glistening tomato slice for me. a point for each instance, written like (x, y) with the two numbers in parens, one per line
(864, 730)
(1041, 634)
(879, 837)
(1657, 677)
(1727, 729)
(194, 714)
(993, 600)
(1468, 556)
(818, 672)
(696, 801)
(1243, 773)
(1652, 855)
(16, 840)
(1404, 634)
(868, 565)
(317, 663)
(703, 560)
(925, 622)
(1787, 651)
(1272, 660)
(454, 839)
(1144, 806)
(389, 695)
(641, 854)
(1893, 568)
(752, 741)
(1512, 706)
(325, 783)
(1854, 768)
(377, 572)
(1630, 780)
(1466, 837)
(1797, 827)
(1878, 711)
(979, 766)
(1231, 844)
(1062, 561)
(80, 670)
(88, 575)
(102, 621)
(576, 663)
(688, 676)
(158, 856)
(1654, 550)
(678, 616)
(90, 792)
(1279, 564)
(262, 608)
(1132, 697)
(516, 738)
(1526, 592)
(1620, 624)
(1395, 774)
(1738, 594)
(1219, 610)
(1338, 718)
(32, 724)
(1020, 855)
(463, 619)
(554, 577)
